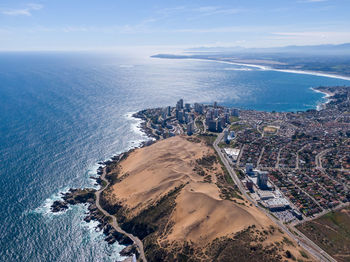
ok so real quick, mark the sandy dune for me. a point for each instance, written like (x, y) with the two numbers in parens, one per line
(155, 170)
(200, 215)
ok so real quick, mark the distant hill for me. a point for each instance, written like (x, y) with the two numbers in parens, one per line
(311, 49)
(329, 59)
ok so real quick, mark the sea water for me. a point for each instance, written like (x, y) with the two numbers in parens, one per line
(62, 113)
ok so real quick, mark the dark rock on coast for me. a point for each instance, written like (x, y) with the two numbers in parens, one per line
(73, 197)
(87, 196)
(143, 126)
(59, 206)
(128, 251)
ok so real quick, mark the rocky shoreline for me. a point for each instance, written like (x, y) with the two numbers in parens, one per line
(87, 196)
(143, 126)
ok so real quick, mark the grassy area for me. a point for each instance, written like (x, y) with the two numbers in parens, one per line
(227, 185)
(234, 119)
(246, 245)
(223, 145)
(331, 232)
(240, 173)
(231, 189)
(103, 183)
(231, 144)
(208, 138)
(237, 127)
(303, 254)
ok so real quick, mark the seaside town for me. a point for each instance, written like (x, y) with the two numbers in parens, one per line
(295, 165)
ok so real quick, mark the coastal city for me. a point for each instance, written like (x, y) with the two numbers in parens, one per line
(289, 168)
(296, 165)
(175, 131)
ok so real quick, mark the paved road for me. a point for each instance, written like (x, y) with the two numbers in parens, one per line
(303, 241)
(114, 223)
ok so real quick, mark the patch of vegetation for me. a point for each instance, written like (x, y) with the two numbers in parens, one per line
(303, 254)
(207, 179)
(234, 119)
(112, 172)
(227, 186)
(208, 139)
(240, 173)
(223, 145)
(242, 247)
(237, 127)
(289, 255)
(150, 222)
(331, 232)
(103, 183)
(106, 203)
(206, 161)
(228, 190)
(288, 241)
(193, 139)
(200, 171)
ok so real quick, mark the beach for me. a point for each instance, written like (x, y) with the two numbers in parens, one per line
(269, 68)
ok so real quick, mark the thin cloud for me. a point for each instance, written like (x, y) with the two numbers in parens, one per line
(226, 29)
(312, 1)
(313, 34)
(27, 11)
(312, 37)
(201, 11)
(215, 10)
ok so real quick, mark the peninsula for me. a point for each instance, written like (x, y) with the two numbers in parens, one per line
(335, 66)
(223, 184)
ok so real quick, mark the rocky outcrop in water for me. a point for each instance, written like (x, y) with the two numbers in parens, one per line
(87, 196)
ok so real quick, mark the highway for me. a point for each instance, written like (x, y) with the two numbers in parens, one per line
(303, 241)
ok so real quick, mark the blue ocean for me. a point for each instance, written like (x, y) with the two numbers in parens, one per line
(62, 113)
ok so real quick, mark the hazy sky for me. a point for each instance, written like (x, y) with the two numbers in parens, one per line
(106, 24)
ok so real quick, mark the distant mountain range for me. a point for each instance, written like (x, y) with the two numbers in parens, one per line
(311, 49)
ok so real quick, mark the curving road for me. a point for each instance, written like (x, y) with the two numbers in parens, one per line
(114, 222)
(301, 239)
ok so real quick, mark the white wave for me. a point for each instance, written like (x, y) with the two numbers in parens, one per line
(268, 68)
(96, 234)
(126, 66)
(136, 128)
(45, 207)
(93, 229)
(238, 69)
(326, 96)
(134, 143)
(92, 172)
(311, 73)
(233, 63)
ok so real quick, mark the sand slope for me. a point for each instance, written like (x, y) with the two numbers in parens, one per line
(201, 218)
(155, 170)
(200, 214)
